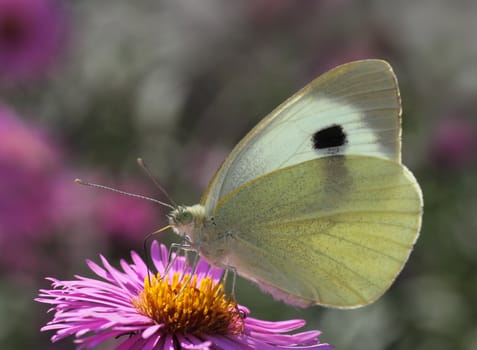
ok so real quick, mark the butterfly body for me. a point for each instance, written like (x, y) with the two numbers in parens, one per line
(314, 204)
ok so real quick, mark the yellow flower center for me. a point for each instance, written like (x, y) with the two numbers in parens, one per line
(184, 306)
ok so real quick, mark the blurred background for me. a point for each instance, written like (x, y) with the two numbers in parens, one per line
(88, 86)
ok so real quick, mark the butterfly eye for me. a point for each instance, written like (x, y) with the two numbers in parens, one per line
(185, 217)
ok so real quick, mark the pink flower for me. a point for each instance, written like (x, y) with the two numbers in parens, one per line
(29, 165)
(126, 218)
(454, 143)
(165, 311)
(31, 37)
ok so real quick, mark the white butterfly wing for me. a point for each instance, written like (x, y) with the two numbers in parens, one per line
(358, 102)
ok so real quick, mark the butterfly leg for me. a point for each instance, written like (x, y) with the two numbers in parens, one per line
(229, 269)
(185, 246)
(189, 268)
(178, 249)
(186, 277)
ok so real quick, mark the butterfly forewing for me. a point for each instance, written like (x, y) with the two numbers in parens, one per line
(360, 98)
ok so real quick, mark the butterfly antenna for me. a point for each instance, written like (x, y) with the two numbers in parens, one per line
(84, 183)
(148, 172)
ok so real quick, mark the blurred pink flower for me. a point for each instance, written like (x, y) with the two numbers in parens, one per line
(39, 200)
(29, 165)
(454, 143)
(126, 218)
(31, 37)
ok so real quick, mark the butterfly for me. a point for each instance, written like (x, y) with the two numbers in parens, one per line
(314, 204)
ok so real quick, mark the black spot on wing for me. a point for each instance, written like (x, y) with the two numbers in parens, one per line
(330, 137)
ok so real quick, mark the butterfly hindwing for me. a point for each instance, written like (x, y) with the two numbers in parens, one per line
(330, 240)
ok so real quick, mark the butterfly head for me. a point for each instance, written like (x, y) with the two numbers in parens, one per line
(186, 221)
